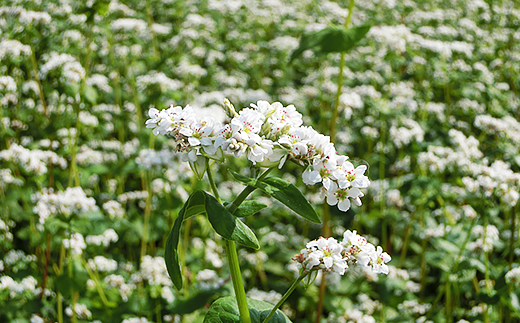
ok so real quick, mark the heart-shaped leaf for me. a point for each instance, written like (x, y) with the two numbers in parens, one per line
(225, 310)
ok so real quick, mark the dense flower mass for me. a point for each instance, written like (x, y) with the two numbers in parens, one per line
(267, 134)
(332, 256)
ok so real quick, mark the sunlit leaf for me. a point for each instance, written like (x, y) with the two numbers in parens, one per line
(225, 310)
(331, 39)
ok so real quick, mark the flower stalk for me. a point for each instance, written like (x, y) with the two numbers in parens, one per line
(231, 252)
(286, 295)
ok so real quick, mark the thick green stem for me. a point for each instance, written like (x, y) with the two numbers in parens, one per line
(231, 252)
(285, 296)
(238, 284)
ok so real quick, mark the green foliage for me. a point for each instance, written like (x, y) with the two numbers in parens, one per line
(248, 208)
(331, 40)
(224, 223)
(285, 192)
(225, 310)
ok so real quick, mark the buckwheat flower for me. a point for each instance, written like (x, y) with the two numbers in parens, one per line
(278, 119)
(36, 319)
(129, 24)
(13, 49)
(76, 244)
(351, 177)
(114, 209)
(153, 269)
(80, 310)
(342, 196)
(102, 264)
(513, 276)
(323, 171)
(136, 320)
(379, 260)
(323, 254)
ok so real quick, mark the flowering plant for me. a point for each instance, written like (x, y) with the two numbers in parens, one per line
(268, 135)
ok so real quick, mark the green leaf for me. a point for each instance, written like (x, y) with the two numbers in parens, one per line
(171, 256)
(194, 302)
(515, 303)
(331, 39)
(248, 208)
(285, 192)
(225, 310)
(90, 94)
(228, 225)
(446, 245)
(483, 297)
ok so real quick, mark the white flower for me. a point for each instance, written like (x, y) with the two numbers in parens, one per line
(379, 260)
(324, 254)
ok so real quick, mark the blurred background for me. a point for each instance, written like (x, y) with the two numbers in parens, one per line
(428, 101)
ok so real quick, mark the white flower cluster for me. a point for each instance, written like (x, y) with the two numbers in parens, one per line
(76, 244)
(13, 49)
(149, 158)
(26, 17)
(208, 279)
(266, 134)
(118, 281)
(332, 256)
(32, 160)
(7, 178)
(153, 269)
(72, 201)
(103, 264)
(7, 83)
(159, 79)
(27, 284)
(513, 276)
(114, 210)
(488, 237)
(104, 239)
(272, 296)
(80, 310)
(136, 320)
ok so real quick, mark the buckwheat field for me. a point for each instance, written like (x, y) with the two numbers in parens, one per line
(255, 161)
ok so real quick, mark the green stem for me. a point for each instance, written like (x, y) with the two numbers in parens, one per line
(335, 111)
(40, 89)
(454, 268)
(232, 207)
(231, 252)
(512, 238)
(238, 285)
(96, 281)
(285, 296)
(448, 301)
(405, 245)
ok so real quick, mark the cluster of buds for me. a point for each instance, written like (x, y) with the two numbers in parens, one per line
(267, 134)
(330, 255)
